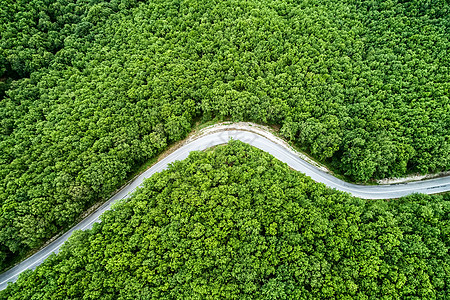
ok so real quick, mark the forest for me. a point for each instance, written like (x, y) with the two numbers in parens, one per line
(235, 223)
(91, 89)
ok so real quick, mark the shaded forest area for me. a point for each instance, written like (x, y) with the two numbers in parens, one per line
(235, 223)
(91, 89)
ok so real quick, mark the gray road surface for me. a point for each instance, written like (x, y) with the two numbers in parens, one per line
(368, 192)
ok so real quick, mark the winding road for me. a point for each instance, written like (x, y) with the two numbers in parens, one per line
(266, 142)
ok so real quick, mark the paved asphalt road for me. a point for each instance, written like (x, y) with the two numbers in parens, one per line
(368, 192)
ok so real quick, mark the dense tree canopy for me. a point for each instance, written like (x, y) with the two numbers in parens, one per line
(235, 223)
(90, 89)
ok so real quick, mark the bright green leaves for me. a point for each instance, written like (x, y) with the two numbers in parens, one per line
(250, 234)
(89, 90)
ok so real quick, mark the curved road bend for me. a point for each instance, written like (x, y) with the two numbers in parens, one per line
(431, 186)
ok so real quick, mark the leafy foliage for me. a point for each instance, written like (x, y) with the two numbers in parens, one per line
(96, 87)
(235, 223)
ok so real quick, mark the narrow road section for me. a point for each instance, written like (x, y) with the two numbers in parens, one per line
(266, 142)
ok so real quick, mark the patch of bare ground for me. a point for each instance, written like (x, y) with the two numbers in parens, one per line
(412, 177)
